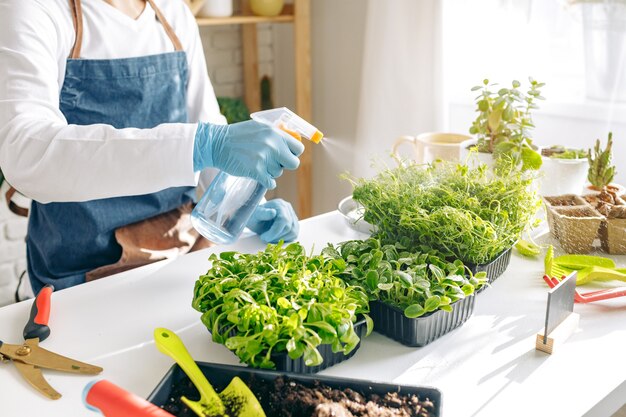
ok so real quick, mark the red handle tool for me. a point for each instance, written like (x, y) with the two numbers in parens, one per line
(590, 297)
(37, 326)
(114, 401)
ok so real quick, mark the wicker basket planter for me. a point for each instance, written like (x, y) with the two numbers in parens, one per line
(566, 200)
(576, 227)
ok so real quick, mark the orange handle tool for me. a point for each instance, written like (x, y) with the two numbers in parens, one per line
(37, 326)
(114, 401)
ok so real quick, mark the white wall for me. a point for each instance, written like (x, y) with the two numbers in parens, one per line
(338, 28)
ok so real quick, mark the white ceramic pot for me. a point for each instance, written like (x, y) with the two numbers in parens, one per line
(562, 176)
(429, 147)
(216, 8)
(474, 159)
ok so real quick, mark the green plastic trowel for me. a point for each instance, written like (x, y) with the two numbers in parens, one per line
(237, 394)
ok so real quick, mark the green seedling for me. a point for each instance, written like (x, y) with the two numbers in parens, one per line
(467, 214)
(415, 281)
(279, 300)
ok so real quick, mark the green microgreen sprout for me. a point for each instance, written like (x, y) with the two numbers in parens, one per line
(279, 300)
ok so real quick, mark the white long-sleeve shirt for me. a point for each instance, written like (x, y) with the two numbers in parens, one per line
(48, 159)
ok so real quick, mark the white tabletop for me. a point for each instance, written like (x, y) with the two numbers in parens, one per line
(487, 367)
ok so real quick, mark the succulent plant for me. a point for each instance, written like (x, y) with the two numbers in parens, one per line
(601, 172)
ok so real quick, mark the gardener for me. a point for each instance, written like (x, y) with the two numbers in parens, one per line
(107, 116)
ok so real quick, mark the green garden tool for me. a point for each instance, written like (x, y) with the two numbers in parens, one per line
(236, 395)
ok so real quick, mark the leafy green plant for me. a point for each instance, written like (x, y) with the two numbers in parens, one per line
(468, 214)
(417, 282)
(234, 109)
(504, 122)
(561, 152)
(279, 300)
(601, 172)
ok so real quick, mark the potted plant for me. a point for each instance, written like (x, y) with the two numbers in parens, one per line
(576, 227)
(601, 172)
(504, 122)
(564, 171)
(281, 308)
(416, 295)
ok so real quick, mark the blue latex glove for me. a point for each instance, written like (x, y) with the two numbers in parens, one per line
(247, 149)
(275, 221)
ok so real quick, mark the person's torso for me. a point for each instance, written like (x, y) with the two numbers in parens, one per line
(66, 240)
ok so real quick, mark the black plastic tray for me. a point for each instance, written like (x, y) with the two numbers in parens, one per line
(285, 364)
(220, 376)
(420, 331)
(494, 268)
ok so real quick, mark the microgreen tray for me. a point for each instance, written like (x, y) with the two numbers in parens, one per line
(175, 384)
(285, 364)
(494, 268)
(420, 331)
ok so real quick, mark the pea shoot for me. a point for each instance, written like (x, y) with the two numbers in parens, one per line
(469, 214)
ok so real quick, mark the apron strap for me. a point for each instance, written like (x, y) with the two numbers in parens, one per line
(168, 29)
(20, 211)
(77, 20)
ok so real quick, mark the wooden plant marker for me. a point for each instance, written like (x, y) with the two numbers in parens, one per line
(561, 321)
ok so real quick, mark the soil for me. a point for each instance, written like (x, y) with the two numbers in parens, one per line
(567, 200)
(288, 398)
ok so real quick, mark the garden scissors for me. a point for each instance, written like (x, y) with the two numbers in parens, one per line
(29, 358)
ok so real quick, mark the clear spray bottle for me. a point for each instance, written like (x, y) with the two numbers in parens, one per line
(226, 206)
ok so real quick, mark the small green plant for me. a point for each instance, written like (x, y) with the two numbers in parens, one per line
(601, 172)
(561, 152)
(504, 122)
(234, 109)
(416, 281)
(468, 214)
(279, 301)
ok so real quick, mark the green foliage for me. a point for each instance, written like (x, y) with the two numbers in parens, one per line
(561, 152)
(504, 122)
(467, 214)
(279, 300)
(417, 282)
(266, 93)
(601, 172)
(234, 109)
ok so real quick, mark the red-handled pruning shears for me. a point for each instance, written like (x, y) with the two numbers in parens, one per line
(29, 357)
(591, 296)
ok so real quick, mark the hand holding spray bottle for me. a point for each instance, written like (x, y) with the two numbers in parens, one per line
(226, 206)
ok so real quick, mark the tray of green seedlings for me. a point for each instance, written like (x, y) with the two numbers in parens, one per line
(416, 296)
(282, 309)
(475, 215)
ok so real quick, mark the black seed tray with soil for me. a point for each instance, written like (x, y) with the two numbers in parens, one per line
(295, 395)
(420, 331)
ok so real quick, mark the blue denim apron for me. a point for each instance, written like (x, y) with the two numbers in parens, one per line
(66, 240)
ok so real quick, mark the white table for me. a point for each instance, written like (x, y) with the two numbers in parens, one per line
(487, 367)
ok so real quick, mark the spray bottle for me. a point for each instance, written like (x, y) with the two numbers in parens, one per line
(226, 206)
